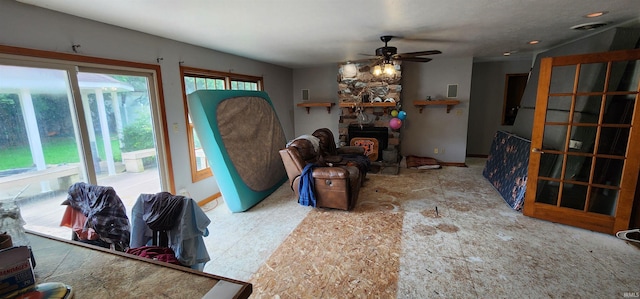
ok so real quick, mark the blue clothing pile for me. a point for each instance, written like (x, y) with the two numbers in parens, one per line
(306, 188)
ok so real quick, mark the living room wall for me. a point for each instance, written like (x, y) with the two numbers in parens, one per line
(421, 132)
(36, 28)
(322, 84)
(487, 97)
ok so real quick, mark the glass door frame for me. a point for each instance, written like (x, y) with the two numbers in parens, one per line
(588, 220)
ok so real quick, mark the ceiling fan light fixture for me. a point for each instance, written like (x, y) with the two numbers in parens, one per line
(389, 69)
(377, 70)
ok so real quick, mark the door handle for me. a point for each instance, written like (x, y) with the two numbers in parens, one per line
(537, 151)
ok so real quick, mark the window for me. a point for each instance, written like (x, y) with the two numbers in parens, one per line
(75, 119)
(198, 79)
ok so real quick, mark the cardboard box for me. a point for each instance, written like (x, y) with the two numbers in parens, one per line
(16, 272)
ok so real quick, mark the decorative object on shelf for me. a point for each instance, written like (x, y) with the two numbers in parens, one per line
(395, 123)
(349, 71)
(402, 115)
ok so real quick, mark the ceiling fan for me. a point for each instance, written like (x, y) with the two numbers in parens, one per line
(387, 53)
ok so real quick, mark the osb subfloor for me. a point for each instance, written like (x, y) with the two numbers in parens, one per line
(421, 234)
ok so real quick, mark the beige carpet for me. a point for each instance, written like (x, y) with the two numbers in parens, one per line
(338, 254)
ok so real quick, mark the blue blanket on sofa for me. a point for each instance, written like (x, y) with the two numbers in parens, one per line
(306, 189)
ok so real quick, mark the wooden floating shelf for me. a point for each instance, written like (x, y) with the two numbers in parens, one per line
(308, 105)
(448, 103)
(385, 105)
(374, 104)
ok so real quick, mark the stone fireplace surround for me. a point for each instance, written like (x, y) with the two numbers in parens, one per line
(355, 95)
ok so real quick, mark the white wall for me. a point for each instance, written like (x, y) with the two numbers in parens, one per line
(434, 127)
(323, 87)
(36, 28)
(487, 99)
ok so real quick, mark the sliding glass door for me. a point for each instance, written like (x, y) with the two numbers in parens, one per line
(118, 118)
(62, 124)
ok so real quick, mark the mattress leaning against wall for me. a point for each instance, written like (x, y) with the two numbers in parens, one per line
(507, 167)
(241, 136)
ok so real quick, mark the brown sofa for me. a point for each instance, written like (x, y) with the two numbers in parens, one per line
(336, 182)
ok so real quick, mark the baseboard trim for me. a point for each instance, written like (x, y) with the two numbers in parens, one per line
(209, 199)
(477, 156)
(453, 164)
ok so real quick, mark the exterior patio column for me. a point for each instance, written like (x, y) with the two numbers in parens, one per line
(115, 103)
(33, 134)
(104, 128)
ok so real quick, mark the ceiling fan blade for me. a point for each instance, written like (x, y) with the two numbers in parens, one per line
(419, 53)
(414, 59)
(370, 60)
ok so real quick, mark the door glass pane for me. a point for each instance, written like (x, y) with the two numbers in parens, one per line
(555, 136)
(578, 168)
(613, 141)
(38, 144)
(619, 109)
(547, 192)
(582, 139)
(558, 109)
(123, 150)
(592, 77)
(587, 109)
(562, 78)
(550, 166)
(603, 201)
(573, 196)
(608, 171)
(624, 76)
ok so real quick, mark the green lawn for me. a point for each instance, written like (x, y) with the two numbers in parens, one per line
(57, 150)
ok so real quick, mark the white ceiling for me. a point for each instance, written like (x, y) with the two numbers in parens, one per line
(302, 33)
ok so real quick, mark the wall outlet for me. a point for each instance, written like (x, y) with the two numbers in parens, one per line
(436, 150)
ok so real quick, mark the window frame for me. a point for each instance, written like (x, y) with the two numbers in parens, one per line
(229, 78)
(36, 58)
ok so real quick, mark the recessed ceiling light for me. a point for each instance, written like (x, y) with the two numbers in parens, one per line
(506, 53)
(533, 42)
(596, 14)
(589, 26)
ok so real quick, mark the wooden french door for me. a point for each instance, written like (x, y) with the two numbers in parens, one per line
(585, 144)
